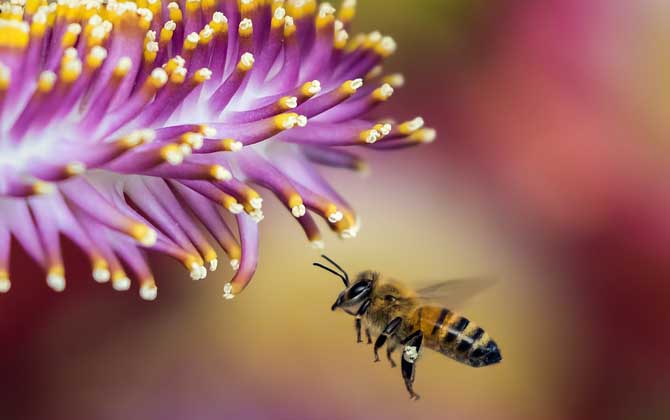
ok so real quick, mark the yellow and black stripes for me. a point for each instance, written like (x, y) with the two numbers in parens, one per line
(455, 336)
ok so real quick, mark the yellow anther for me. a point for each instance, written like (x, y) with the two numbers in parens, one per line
(75, 168)
(220, 173)
(356, 42)
(326, 15)
(175, 12)
(143, 234)
(167, 31)
(424, 135)
(194, 140)
(231, 145)
(154, 6)
(191, 41)
(300, 8)
(246, 62)
(38, 26)
(123, 66)
(408, 127)
(371, 40)
(347, 11)
(351, 86)
(5, 77)
(310, 89)
(278, 17)
(246, 28)
(397, 80)
(32, 6)
(173, 64)
(219, 23)
(289, 26)
(202, 75)
(383, 128)
(383, 92)
(370, 136)
(150, 52)
(286, 121)
(14, 34)
(206, 35)
(192, 6)
(71, 34)
(231, 204)
(46, 81)
(172, 154)
(178, 76)
(340, 39)
(288, 102)
(386, 46)
(41, 187)
(96, 57)
(374, 73)
(209, 4)
(158, 78)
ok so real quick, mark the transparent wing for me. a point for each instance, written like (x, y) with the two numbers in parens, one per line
(453, 293)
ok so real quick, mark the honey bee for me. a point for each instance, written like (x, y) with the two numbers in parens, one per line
(400, 316)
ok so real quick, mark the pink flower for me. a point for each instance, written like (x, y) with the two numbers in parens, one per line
(128, 128)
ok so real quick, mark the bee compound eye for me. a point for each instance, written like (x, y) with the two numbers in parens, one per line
(358, 289)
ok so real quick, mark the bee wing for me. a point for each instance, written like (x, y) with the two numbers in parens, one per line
(453, 293)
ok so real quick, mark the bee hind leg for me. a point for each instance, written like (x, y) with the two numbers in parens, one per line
(357, 323)
(412, 346)
(388, 331)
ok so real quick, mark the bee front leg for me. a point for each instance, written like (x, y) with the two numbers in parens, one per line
(357, 324)
(388, 331)
(408, 363)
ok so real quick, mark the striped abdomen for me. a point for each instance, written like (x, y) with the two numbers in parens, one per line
(456, 336)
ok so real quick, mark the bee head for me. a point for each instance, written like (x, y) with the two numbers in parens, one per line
(354, 294)
(351, 298)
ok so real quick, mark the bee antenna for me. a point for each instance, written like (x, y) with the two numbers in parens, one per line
(346, 276)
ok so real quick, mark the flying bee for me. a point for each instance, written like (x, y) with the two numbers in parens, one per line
(400, 316)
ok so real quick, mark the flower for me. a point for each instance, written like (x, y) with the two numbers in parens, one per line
(128, 126)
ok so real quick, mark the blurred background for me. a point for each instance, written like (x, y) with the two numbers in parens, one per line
(551, 172)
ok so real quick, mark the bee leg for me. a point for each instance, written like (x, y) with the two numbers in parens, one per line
(388, 331)
(361, 311)
(367, 334)
(390, 348)
(408, 363)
